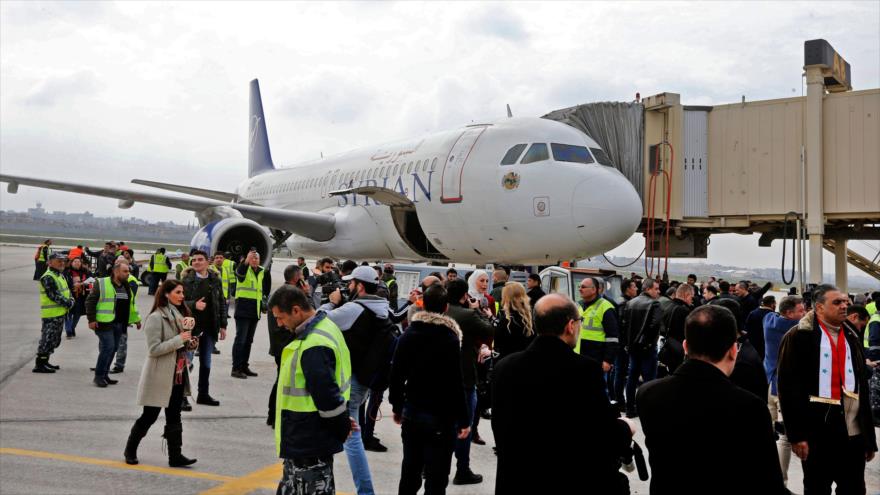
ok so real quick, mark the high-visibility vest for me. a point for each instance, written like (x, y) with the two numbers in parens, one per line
(48, 307)
(183, 265)
(74, 253)
(875, 318)
(292, 394)
(229, 266)
(872, 308)
(591, 326)
(159, 265)
(106, 308)
(251, 288)
(222, 275)
(41, 254)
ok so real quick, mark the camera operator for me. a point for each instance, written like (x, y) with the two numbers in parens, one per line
(369, 335)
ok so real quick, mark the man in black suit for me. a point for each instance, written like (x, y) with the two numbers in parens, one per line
(555, 429)
(704, 434)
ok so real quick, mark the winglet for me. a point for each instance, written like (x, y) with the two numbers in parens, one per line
(259, 156)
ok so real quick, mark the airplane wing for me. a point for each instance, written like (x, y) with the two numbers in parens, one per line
(195, 191)
(316, 226)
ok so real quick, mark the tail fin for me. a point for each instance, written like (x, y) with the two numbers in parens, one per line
(259, 156)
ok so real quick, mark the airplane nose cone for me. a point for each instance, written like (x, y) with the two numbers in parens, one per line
(606, 210)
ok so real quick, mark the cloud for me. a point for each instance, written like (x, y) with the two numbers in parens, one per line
(330, 94)
(53, 89)
(499, 23)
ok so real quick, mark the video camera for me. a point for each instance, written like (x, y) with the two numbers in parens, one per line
(329, 282)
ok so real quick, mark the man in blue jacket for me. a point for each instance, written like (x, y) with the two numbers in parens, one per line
(776, 325)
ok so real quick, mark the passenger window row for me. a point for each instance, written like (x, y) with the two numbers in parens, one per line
(357, 176)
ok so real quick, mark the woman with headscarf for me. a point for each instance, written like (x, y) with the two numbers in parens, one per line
(478, 289)
(165, 377)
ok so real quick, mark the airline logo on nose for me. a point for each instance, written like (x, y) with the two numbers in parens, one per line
(255, 122)
(510, 181)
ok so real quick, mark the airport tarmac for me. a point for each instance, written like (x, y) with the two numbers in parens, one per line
(60, 434)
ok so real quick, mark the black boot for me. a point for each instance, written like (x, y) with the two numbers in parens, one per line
(134, 439)
(204, 398)
(50, 365)
(174, 437)
(40, 365)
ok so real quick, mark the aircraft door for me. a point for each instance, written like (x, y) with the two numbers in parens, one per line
(555, 280)
(450, 185)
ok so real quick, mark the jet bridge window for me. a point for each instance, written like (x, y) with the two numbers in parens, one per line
(537, 152)
(513, 154)
(601, 157)
(570, 153)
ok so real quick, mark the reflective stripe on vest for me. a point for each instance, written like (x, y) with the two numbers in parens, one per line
(105, 311)
(292, 391)
(159, 265)
(875, 318)
(591, 326)
(251, 288)
(48, 307)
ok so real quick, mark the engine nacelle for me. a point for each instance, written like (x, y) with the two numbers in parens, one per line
(234, 235)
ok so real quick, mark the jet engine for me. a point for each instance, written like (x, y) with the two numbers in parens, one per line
(236, 236)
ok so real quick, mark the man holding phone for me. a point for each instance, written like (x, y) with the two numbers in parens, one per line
(252, 282)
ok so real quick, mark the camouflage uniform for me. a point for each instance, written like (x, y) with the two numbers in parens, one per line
(50, 337)
(307, 476)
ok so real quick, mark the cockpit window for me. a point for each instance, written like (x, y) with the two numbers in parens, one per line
(570, 153)
(537, 152)
(601, 157)
(513, 154)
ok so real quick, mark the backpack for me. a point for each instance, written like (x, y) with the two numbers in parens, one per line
(371, 342)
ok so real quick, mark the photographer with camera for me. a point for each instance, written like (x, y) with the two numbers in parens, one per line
(253, 282)
(370, 337)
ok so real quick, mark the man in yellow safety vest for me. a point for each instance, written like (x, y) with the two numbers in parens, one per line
(311, 419)
(110, 309)
(253, 283)
(160, 265)
(599, 327)
(55, 301)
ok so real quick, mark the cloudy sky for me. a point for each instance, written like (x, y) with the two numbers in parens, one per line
(109, 92)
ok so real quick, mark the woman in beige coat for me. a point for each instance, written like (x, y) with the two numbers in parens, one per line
(165, 377)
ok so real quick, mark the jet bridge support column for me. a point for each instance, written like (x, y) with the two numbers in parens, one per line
(840, 264)
(815, 199)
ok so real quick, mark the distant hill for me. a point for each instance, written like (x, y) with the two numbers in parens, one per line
(679, 270)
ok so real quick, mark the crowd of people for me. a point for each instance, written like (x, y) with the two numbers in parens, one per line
(715, 367)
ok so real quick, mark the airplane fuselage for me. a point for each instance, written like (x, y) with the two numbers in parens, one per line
(543, 205)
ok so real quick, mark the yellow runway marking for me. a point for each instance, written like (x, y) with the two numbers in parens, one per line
(266, 477)
(184, 473)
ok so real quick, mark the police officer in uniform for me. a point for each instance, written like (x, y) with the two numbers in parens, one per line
(599, 328)
(311, 418)
(55, 301)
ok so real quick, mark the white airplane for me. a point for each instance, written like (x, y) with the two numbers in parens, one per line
(525, 191)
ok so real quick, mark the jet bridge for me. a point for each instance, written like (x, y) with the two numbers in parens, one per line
(804, 168)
